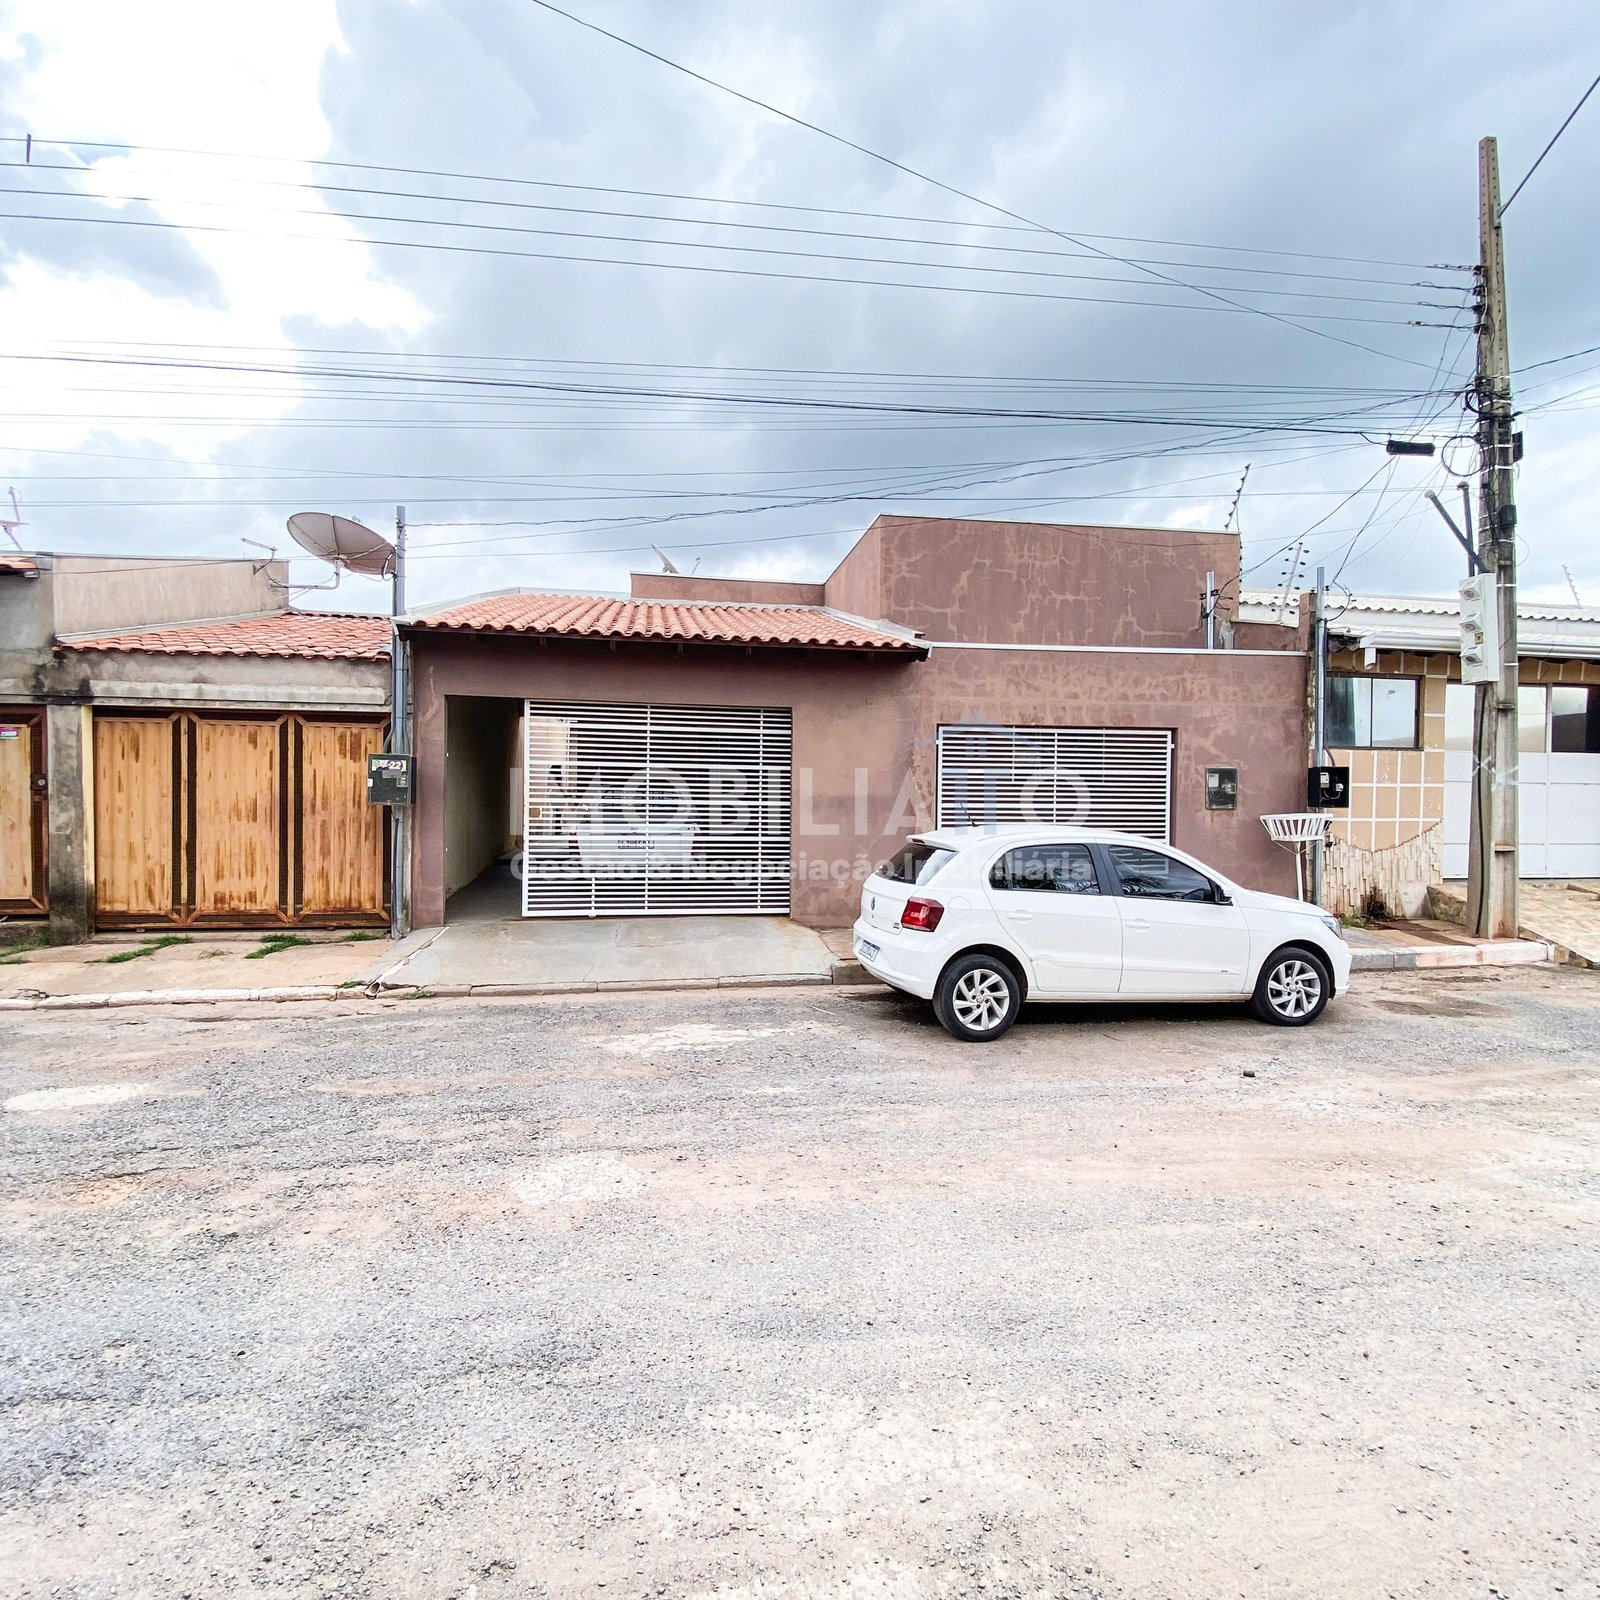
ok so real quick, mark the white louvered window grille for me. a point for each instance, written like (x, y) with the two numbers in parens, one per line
(1081, 777)
(647, 810)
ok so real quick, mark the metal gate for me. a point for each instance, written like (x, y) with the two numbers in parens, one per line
(1081, 777)
(651, 810)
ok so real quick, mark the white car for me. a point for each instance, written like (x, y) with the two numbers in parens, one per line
(978, 920)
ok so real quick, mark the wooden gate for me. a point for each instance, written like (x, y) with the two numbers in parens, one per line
(236, 821)
(22, 811)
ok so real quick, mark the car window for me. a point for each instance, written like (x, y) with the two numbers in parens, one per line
(1053, 868)
(916, 863)
(1150, 875)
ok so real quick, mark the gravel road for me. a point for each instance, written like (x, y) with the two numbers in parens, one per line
(785, 1294)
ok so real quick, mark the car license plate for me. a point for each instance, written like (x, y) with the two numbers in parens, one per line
(866, 950)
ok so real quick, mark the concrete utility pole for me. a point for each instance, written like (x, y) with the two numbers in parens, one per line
(399, 736)
(1492, 868)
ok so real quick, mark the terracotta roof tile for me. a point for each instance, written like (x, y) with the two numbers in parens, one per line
(16, 563)
(321, 635)
(567, 616)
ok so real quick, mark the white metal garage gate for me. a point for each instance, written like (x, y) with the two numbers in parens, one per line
(1083, 777)
(649, 810)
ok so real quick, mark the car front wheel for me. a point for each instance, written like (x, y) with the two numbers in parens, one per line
(1293, 988)
(978, 998)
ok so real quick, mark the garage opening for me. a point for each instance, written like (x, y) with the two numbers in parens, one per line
(651, 810)
(482, 808)
(1078, 777)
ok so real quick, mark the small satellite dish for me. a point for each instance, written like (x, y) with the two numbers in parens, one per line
(343, 542)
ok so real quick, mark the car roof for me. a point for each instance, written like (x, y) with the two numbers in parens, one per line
(968, 837)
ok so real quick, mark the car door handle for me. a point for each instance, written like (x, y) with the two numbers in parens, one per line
(1019, 916)
(1138, 925)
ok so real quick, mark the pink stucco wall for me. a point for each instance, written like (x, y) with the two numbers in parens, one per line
(1036, 583)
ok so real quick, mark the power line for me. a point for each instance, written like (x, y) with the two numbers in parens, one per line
(657, 194)
(738, 272)
(721, 369)
(703, 222)
(1555, 360)
(699, 244)
(1547, 149)
(962, 194)
(1317, 424)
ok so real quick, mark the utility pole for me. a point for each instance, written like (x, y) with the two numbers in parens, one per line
(1492, 869)
(1319, 717)
(399, 734)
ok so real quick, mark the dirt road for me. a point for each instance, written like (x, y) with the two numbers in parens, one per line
(788, 1295)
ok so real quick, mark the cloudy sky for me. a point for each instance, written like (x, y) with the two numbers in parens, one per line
(564, 302)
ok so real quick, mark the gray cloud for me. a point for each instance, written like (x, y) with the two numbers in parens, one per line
(1348, 131)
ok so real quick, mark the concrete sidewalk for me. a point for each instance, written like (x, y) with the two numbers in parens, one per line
(1563, 913)
(129, 968)
(539, 956)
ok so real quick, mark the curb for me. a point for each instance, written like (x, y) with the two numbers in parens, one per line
(1431, 958)
(176, 997)
(842, 974)
(440, 991)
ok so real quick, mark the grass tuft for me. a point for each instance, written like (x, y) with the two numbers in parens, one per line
(148, 948)
(361, 936)
(273, 943)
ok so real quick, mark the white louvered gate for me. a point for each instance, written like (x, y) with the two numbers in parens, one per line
(1084, 777)
(647, 810)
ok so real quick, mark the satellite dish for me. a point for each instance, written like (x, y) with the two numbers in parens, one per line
(343, 542)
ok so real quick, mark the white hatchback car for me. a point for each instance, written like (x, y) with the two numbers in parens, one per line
(977, 920)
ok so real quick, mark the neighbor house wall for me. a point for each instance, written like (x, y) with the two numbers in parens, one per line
(99, 594)
(1387, 850)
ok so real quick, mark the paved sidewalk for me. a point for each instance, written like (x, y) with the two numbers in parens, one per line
(1566, 914)
(209, 966)
(539, 956)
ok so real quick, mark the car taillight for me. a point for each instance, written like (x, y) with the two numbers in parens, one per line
(921, 915)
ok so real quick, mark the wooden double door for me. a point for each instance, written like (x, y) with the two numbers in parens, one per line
(236, 820)
(22, 811)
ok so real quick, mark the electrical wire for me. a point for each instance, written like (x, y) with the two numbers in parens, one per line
(1542, 154)
(657, 194)
(961, 194)
(1225, 305)
(687, 222)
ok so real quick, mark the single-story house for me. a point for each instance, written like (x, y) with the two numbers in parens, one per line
(178, 748)
(716, 744)
(1401, 719)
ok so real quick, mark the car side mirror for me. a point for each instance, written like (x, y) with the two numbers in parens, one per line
(1221, 895)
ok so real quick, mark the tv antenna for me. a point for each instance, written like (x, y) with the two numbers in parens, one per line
(14, 521)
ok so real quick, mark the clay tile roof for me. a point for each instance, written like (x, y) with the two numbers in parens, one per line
(15, 563)
(323, 635)
(567, 616)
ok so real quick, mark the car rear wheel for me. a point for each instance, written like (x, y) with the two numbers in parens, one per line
(1293, 988)
(978, 998)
